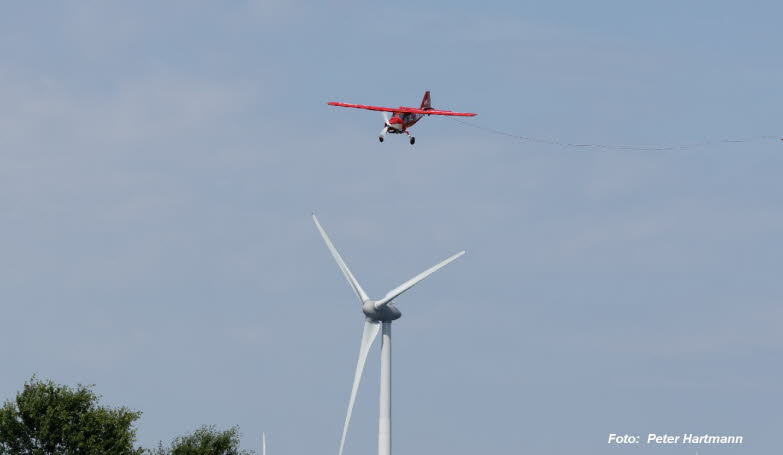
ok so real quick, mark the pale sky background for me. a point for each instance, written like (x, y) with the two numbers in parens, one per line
(159, 163)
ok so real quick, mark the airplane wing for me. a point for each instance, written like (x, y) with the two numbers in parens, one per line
(362, 106)
(407, 110)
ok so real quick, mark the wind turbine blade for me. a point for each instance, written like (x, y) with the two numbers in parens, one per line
(357, 288)
(368, 336)
(391, 295)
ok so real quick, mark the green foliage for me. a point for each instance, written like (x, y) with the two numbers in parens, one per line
(205, 441)
(52, 419)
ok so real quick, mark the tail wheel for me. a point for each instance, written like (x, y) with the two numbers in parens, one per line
(413, 140)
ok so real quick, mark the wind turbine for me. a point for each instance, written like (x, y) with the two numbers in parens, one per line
(378, 315)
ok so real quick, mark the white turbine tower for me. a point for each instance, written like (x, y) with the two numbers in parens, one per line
(378, 314)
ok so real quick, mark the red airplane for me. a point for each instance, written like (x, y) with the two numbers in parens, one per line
(403, 118)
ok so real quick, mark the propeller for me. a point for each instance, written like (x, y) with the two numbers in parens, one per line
(386, 125)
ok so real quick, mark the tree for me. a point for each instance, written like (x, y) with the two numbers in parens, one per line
(52, 419)
(205, 441)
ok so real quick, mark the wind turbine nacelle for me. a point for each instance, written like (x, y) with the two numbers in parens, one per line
(386, 313)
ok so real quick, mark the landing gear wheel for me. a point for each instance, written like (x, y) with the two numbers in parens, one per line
(413, 140)
(380, 138)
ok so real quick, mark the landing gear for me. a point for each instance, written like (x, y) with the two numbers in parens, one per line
(411, 138)
(380, 138)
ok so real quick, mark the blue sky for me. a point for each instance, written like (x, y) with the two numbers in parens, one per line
(159, 164)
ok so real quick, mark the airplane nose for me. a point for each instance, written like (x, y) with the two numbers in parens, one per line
(395, 122)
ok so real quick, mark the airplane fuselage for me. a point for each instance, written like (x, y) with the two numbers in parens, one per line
(401, 121)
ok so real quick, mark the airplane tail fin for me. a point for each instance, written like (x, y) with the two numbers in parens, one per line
(425, 102)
